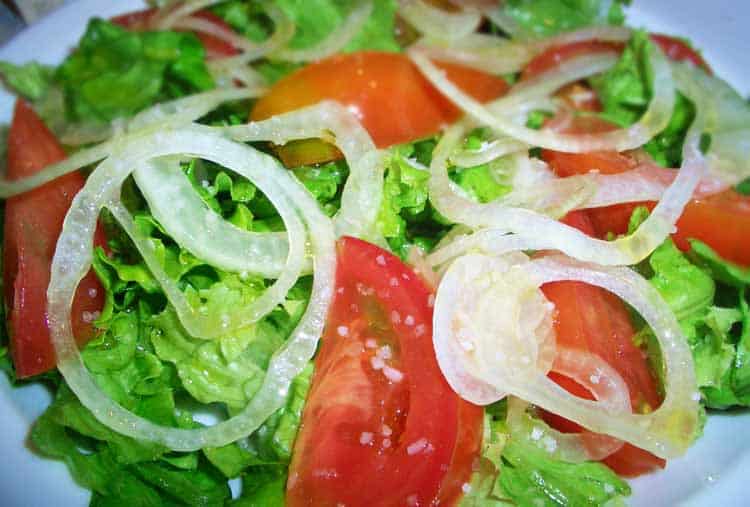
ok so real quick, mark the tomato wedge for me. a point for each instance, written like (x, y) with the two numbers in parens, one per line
(33, 222)
(380, 417)
(392, 99)
(591, 319)
(215, 46)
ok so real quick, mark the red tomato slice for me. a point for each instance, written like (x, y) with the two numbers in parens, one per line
(386, 91)
(404, 436)
(591, 319)
(33, 222)
(679, 51)
(215, 47)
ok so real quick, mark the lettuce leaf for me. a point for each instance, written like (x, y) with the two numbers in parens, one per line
(625, 92)
(142, 67)
(711, 307)
(512, 470)
(544, 18)
(315, 19)
(406, 216)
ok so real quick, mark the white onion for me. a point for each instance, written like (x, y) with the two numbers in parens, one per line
(483, 365)
(653, 121)
(496, 55)
(73, 258)
(439, 23)
(623, 251)
(203, 232)
(283, 32)
(727, 118)
(162, 116)
(490, 315)
(335, 41)
(569, 447)
(167, 18)
(332, 122)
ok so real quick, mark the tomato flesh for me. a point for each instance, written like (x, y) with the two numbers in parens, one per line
(386, 91)
(33, 222)
(367, 436)
(215, 46)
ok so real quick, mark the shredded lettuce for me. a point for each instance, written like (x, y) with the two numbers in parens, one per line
(116, 73)
(544, 18)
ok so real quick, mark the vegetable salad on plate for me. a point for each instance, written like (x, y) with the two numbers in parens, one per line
(383, 252)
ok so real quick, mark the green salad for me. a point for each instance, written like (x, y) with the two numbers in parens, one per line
(375, 252)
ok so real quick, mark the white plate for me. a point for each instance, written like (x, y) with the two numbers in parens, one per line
(710, 474)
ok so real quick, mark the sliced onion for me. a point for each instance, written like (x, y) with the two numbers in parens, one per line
(653, 121)
(335, 41)
(73, 258)
(330, 121)
(488, 152)
(490, 314)
(203, 232)
(496, 55)
(483, 371)
(623, 251)
(169, 17)
(162, 116)
(439, 23)
(727, 120)
(548, 82)
(569, 447)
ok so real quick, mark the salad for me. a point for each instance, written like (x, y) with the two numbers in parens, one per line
(375, 253)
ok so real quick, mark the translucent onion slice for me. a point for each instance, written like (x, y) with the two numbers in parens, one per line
(653, 121)
(477, 366)
(439, 23)
(490, 314)
(727, 121)
(548, 82)
(335, 41)
(73, 258)
(162, 116)
(202, 25)
(203, 232)
(332, 122)
(557, 236)
(569, 447)
(493, 54)
(670, 429)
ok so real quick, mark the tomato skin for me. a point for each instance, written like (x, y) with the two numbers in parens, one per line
(679, 51)
(215, 47)
(349, 398)
(394, 102)
(33, 222)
